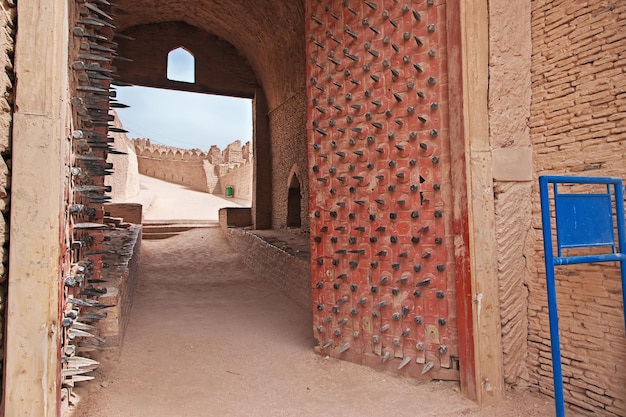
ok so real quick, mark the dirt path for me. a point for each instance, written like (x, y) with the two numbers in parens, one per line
(164, 200)
(208, 337)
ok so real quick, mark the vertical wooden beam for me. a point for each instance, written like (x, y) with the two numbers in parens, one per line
(487, 342)
(460, 225)
(32, 361)
(262, 163)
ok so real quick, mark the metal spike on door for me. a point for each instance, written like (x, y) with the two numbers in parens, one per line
(405, 361)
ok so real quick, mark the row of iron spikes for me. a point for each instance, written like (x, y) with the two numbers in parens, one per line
(374, 6)
(93, 52)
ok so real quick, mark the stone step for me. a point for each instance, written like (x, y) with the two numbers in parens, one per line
(153, 236)
(164, 230)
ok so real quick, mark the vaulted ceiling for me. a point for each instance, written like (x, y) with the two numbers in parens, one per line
(269, 34)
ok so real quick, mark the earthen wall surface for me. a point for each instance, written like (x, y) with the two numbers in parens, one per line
(124, 180)
(578, 127)
(7, 44)
(240, 179)
(287, 273)
(509, 110)
(218, 67)
(209, 172)
(289, 152)
(189, 173)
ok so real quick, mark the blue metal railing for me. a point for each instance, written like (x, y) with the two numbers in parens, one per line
(583, 220)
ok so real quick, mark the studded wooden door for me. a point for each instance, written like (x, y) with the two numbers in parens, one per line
(382, 250)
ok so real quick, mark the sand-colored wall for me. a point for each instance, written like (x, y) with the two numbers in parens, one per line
(289, 152)
(578, 127)
(209, 172)
(7, 44)
(240, 178)
(509, 110)
(189, 173)
(124, 181)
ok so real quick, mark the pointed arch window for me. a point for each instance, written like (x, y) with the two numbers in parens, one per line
(181, 65)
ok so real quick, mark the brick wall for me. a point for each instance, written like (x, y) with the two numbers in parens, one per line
(7, 43)
(287, 126)
(382, 259)
(578, 127)
(287, 273)
(123, 252)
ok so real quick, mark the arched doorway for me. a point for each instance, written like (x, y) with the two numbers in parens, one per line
(294, 203)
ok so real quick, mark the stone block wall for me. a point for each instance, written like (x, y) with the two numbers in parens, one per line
(123, 252)
(578, 127)
(7, 79)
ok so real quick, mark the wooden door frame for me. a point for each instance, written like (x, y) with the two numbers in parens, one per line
(478, 305)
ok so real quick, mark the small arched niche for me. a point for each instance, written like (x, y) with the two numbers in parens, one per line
(294, 201)
(181, 65)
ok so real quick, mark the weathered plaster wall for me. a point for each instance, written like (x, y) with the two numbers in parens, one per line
(240, 178)
(165, 167)
(509, 110)
(289, 149)
(7, 44)
(578, 127)
(124, 181)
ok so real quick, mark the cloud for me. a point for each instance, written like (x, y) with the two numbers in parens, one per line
(185, 120)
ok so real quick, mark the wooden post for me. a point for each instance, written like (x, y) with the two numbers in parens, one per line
(32, 361)
(488, 366)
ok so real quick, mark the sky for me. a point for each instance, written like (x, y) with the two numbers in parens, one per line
(182, 119)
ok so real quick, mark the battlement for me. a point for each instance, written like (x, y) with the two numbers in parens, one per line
(210, 171)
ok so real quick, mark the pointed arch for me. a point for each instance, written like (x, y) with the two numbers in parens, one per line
(181, 65)
(294, 200)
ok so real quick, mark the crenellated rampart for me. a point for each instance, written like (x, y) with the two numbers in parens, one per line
(210, 171)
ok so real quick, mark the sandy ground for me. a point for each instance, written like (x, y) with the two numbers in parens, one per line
(167, 201)
(209, 337)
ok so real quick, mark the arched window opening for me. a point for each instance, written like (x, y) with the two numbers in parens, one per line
(181, 66)
(294, 201)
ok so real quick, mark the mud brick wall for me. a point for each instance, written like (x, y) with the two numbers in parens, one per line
(240, 178)
(578, 127)
(509, 109)
(289, 154)
(382, 263)
(166, 167)
(288, 273)
(7, 78)
(123, 252)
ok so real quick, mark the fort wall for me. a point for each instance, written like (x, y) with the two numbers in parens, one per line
(209, 172)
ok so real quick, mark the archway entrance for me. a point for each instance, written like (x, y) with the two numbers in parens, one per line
(285, 97)
(294, 204)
